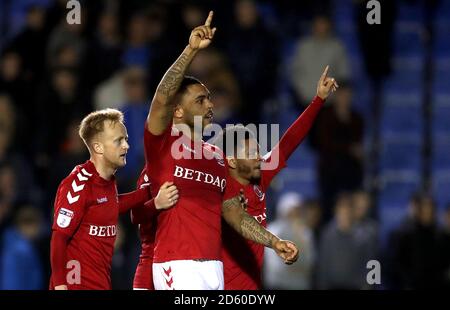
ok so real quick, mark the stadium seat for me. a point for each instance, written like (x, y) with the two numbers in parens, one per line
(300, 174)
(401, 156)
(441, 102)
(441, 185)
(396, 189)
(397, 186)
(402, 118)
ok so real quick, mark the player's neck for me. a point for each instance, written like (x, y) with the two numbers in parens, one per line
(105, 171)
(238, 178)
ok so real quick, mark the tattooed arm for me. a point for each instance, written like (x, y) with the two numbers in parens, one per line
(250, 229)
(161, 110)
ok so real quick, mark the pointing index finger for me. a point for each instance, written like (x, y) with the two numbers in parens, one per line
(325, 73)
(209, 19)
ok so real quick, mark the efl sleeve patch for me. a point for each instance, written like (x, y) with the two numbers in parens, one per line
(64, 217)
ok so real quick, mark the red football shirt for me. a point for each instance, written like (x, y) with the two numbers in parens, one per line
(143, 277)
(87, 209)
(192, 228)
(242, 258)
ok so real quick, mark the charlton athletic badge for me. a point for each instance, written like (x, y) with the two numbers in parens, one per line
(259, 193)
(64, 217)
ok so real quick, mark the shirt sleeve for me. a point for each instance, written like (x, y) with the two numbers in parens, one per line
(134, 199)
(231, 190)
(58, 248)
(145, 213)
(70, 205)
(153, 144)
(290, 141)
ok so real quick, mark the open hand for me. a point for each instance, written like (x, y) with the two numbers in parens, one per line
(167, 196)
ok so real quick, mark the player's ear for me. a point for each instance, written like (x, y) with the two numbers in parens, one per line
(97, 147)
(231, 162)
(178, 112)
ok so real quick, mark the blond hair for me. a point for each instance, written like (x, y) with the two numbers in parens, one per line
(93, 123)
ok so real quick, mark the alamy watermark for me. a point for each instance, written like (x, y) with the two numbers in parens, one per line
(74, 15)
(265, 136)
(374, 15)
(374, 275)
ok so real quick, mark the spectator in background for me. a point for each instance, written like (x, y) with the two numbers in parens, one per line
(419, 257)
(296, 19)
(66, 34)
(60, 102)
(31, 43)
(291, 223)
(313, 218)
(21, 267)
(312, 54)
(338, 139)
(13, 165)
(72, 152)
(377, 60)
(393, 269)
(104, 50)
(254, 60)
(446, 249)
(12, 81)
(135, 110)
(342, 255)
(137, 51)
(366, 228)
(111, 92)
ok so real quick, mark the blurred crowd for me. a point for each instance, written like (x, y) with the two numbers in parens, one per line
(53, 73)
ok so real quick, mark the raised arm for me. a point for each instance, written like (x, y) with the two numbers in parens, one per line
(249, 228)
(161, 110)
(300, 128)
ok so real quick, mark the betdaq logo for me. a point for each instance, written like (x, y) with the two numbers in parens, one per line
(199, 176)
(103, 231)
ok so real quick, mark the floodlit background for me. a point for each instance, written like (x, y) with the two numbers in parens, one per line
(371, 181)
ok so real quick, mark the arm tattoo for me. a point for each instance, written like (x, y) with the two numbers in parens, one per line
(245, 224)
(173, 77)
(252, 230)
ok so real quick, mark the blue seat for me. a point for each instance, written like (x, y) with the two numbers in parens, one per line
(397, 186)
(411, 12)
(403, 66)
(389, 218)
(408, 39)
(298, 180)
(402, 118)
(406, 87)
(401, 156)
(441, 185)
(441, 112)
(440, 151)
(300, 175)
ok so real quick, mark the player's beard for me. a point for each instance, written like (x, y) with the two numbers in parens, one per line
(247, 171)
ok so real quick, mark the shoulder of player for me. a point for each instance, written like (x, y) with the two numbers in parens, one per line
(78, 180)
(143, 180)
